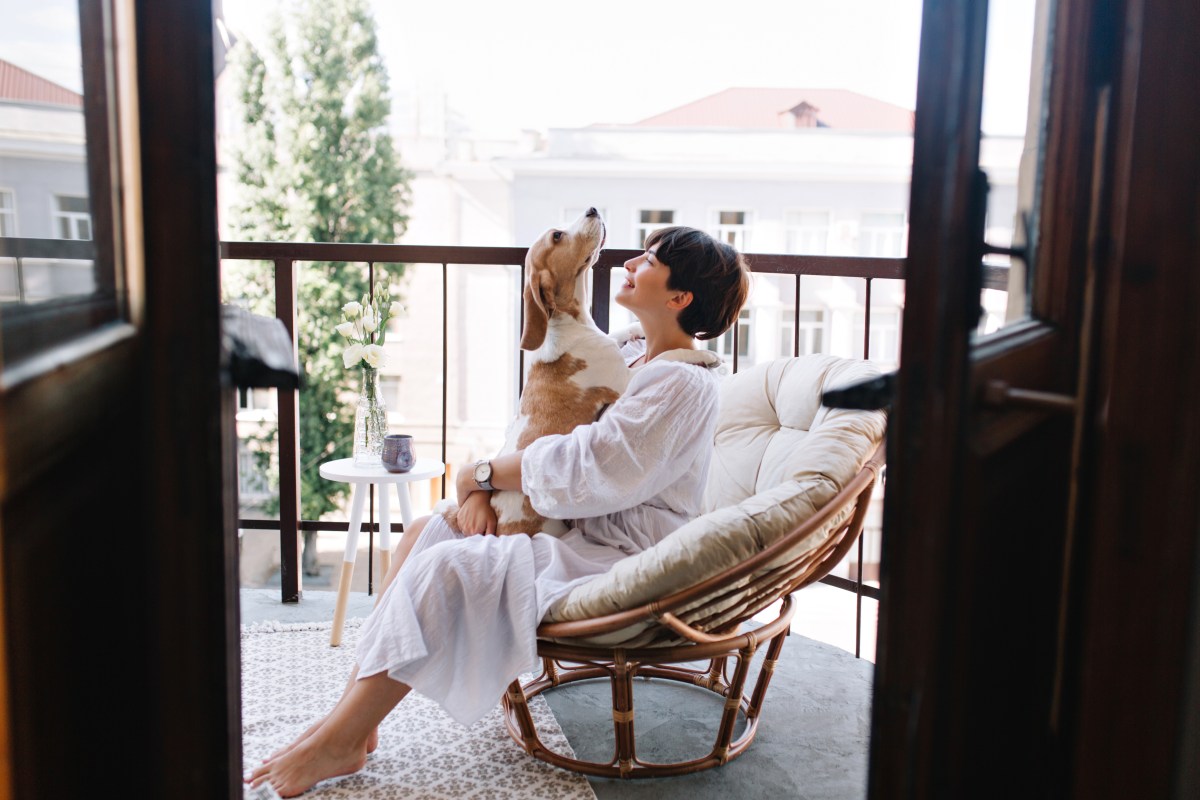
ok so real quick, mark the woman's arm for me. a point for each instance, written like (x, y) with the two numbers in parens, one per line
(506, 474)
(645, 442)
(641, 445)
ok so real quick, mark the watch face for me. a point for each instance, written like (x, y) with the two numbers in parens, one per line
(483, 472)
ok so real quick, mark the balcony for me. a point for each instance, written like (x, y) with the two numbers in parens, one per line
(437, 289)
(841, 612)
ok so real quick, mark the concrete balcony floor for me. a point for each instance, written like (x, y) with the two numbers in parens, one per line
(812, 741)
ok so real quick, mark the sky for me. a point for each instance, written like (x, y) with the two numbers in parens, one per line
(537, 64)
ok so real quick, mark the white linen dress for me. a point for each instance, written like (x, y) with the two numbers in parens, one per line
(458, 624)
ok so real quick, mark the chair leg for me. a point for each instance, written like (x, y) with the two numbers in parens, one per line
(764, 675)
(520, 712)
(622, 691)
(733, 702)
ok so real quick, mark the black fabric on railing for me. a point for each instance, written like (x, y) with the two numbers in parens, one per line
(258, 350)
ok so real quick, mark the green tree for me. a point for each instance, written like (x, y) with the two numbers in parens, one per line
(317, 164)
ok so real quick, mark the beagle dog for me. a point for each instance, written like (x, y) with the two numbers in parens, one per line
(574, 370)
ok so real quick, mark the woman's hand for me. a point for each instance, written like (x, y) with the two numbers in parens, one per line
(464, 484)
(476, 515)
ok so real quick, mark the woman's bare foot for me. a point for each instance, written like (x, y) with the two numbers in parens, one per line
(372, 741)
(307, 763)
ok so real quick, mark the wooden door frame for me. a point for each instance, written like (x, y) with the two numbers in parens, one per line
(191, 581)
(1130, 699)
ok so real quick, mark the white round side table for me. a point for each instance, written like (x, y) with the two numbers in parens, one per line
(360, 477)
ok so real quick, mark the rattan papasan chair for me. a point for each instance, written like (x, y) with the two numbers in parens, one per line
(786, 498)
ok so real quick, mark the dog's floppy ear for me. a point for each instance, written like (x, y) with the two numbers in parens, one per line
(539, 307)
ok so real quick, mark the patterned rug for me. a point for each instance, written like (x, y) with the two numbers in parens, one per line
(291, 677)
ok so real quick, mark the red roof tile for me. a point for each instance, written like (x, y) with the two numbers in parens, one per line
(22, 86)
(786, 108)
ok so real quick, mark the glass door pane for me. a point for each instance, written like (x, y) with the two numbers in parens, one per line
(1016, 75)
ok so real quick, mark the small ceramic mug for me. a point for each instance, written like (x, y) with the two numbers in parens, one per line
(398, 453)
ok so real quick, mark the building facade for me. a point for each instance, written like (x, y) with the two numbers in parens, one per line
(43, 184)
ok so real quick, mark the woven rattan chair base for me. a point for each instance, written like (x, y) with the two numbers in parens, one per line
(563, 664)
(776, 572)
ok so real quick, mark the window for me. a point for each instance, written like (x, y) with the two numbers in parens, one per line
(256, 399)
(71, 217)
(61, 270)
(8, 212)
(812, 332)
(807, 232)
(649, 221)
(723, 344)
(254, 482)
(732, 227)
(882, 235)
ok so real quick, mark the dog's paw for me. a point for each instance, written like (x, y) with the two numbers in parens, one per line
(628, 334)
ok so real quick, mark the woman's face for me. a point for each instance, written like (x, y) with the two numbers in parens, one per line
(645, 287)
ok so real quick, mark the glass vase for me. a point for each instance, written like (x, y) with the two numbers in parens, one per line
(370, 420)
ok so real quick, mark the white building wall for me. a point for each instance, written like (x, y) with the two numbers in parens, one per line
(508, 193)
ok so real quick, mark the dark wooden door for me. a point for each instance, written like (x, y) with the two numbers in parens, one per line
(983, 435)
(116, 536)
(1040, 578)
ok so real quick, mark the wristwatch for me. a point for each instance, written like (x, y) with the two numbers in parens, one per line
(483, 475)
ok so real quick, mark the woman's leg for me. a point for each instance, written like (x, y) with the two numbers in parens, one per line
(407, 540)
(339, 746)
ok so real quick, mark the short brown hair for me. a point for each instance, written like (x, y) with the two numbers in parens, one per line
(715, 273)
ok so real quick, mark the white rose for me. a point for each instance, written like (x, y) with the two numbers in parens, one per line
(395, 309)
(373, 355)
(352, 355)
(352, 309)
(346, 329)
(369, 324)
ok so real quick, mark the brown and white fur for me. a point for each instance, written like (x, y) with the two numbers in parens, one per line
(574, 369)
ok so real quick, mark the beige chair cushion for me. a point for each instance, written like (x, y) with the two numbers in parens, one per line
(780, 456)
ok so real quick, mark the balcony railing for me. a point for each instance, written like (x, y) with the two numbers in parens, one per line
(285, 257)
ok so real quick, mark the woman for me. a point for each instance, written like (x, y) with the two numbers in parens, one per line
(458, 615)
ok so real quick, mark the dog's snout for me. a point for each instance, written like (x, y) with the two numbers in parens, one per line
(592, 212)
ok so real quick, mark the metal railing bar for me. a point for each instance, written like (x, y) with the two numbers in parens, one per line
(371, 486)
(780, 263)
(314, 525)
(737, 323)
(796, 321)
(831, 266)
(867, 323)
(858, 596)
(445, 366)
(378, 253)
(601, 284)
(858, 578)
(520, 330)
(371, 526)
(290, 573)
